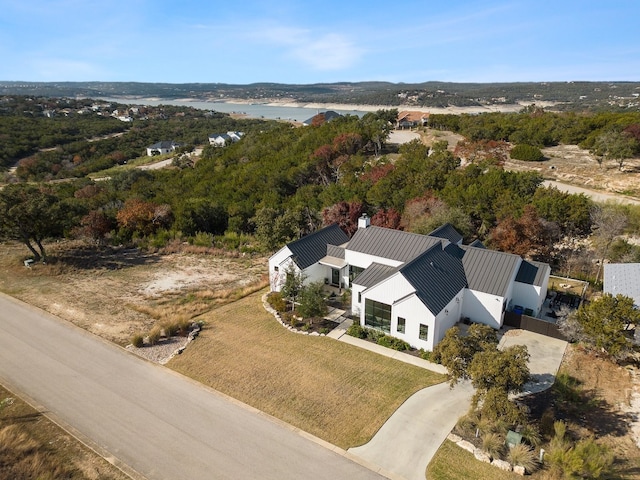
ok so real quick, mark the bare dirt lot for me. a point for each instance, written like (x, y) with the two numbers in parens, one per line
(117, 292)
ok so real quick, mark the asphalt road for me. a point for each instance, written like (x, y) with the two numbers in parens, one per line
(146, 417)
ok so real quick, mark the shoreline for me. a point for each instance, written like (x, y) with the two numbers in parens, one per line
(290, 103)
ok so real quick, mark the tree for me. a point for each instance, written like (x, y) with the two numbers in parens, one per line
(345, 214)
(95, 225)
(293, 284)
(29, 214)
(387, 218)
(456, 352)
(616, 146)
(602, 324)
(312, 301)
(528, 153)
(608, 223)
(143, 217)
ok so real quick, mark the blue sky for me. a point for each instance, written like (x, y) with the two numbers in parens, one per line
(311, 41)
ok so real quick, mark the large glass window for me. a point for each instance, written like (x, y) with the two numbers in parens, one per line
(377, 315)
(401, 324)
(354, 272)
(424, 332)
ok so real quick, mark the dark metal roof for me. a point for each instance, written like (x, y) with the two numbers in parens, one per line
(308, 250)
(531, 272)
(392, 244)
(447, 232)
(437, 277)
(477, 243)
(489, 271)
(374, 274)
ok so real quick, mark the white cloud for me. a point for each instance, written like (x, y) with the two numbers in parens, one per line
(329, 52)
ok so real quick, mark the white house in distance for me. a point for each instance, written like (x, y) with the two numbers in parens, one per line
(415, 287)
(162, 148)
(623, 279)
(222, 139)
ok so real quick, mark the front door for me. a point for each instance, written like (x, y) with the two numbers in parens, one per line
(335, 277)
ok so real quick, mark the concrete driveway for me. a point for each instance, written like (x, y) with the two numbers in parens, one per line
(545, 356)
(411, 436)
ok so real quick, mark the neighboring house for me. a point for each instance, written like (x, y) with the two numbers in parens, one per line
(415, 287)
(408, 119)
(623, 278)
(161, 148)
(222, 139)
(321, 117)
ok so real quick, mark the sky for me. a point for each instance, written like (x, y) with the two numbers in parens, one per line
(309, 41)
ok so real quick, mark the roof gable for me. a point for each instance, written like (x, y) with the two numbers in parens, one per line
(436, 276)
(489, 271)
(447, 232)
(311, 248)
(531, 272)
(392, 244)
(374, 274)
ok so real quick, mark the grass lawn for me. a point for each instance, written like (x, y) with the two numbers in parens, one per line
(335, 391)
(453, 463)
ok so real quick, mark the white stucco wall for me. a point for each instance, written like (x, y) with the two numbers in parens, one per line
(415, 313)
(364, 260)
(483, 308)
(527, 296)
(281, 260)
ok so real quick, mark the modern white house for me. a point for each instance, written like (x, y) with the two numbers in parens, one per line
(162, 148)
(222, 139)
(415, 287)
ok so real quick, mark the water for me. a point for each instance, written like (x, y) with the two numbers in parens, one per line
(258, 110)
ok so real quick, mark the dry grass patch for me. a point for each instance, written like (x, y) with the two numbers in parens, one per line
(453, 463)
(33, 447)
(337, 392)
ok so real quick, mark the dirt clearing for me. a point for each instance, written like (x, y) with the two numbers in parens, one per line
(117, 292)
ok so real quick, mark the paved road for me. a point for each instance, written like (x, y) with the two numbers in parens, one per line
(159, 423)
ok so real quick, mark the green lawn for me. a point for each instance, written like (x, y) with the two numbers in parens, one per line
(453, 463)
(340, 393)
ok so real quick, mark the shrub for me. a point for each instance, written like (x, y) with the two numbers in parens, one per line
(528, 153)
(356, 330)
(202, 239)
(170, 328)
(137, 340)
(154, 335)
(394, 343)
(493, 443)
(524, 456)
(426, 355)
(277, 302)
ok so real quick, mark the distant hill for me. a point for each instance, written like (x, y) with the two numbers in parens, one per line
(564, 95)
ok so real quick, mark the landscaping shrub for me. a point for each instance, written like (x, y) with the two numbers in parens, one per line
(524, 456)
(154, 335)
(137, 340)
(170, 328)
(493, 443)
(356, 330)
(528, 153)
(426, 355)
(394, 343)
(277, 302)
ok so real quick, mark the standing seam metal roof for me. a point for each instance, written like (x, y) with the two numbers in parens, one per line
(447, 232)
(308, 250)
(531, 272)
(489, 271)
(374, 274)
(436, 276)
(392, 244)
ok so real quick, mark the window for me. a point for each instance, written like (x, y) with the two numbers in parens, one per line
(424, 332)
(401, 324)
(354, 272)
(275, 269)
(359, 297)
(377, 315)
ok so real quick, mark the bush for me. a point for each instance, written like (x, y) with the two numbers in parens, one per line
(528, 153)
(524, 456)
(137, 340)
(426, 355)
(277, 302)
(154, 335)
(202, 239)
(394, 343)
(356, 330)
(493, 443)
(170, 328)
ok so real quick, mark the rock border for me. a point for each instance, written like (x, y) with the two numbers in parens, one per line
(274, 312)
(483, 456)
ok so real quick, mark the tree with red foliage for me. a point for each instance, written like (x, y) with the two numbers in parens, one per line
(95, 225)
(378, 172)
(387, 218)
(345, 214)
(525, 236)
(347, 143)
(143, 217)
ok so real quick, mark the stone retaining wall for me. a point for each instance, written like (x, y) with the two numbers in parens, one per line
(483, 456)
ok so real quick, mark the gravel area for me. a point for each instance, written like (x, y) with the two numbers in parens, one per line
(163, 351)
